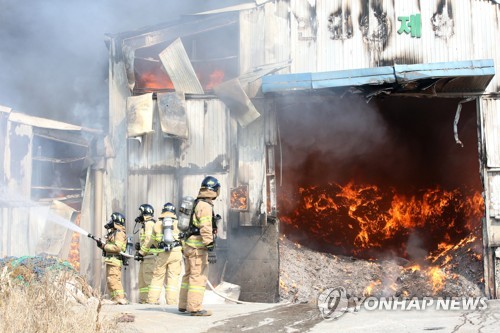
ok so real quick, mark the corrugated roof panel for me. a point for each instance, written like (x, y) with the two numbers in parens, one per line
(179, 68)
(491, 123)
(43, 122)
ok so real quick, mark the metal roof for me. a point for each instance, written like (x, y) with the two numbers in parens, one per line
(458, 76)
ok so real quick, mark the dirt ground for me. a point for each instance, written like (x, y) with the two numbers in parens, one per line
(305, 273)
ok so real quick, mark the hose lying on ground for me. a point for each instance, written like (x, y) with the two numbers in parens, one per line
(225, 297)
(209, 285)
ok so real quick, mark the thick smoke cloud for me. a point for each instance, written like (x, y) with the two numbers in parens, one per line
(54, 61)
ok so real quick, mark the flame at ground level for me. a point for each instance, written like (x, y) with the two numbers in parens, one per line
(368, 221)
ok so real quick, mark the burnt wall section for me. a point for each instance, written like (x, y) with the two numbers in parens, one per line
(253, 262)
(442, 20)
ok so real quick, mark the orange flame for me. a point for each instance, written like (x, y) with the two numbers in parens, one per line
(368, 290)
(74, 253)
(239, 198)
(438, 278)
(359, 218)
(150, 80)
(216, 78)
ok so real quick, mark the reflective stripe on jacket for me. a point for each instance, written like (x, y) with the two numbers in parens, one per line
(116, 242)
(202, 219)
(146, 235)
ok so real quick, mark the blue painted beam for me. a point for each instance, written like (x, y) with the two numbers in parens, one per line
(353, 77)
(405, 73)
(377, 75)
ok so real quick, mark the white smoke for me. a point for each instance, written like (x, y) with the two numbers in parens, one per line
(54, 61)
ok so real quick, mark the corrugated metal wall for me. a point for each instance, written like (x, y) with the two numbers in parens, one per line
(329, 35)
(491, 131)
(164, 169)
(21, 238)
(208, 140)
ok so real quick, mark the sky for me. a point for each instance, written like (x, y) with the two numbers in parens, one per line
(53, 59)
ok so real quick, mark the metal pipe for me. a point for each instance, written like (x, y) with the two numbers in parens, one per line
(97, 225)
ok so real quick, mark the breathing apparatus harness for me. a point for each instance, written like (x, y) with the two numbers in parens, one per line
(195, 231)
(168, 243)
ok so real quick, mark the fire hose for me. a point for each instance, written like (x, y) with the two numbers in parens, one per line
(127, 255)
(225, 297)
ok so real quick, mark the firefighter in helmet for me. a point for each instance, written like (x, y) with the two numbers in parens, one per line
(169, 261)
(196, 247)
(115, 242)
(146, 250)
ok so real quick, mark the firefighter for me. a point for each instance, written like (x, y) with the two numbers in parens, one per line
(114, 243)
(145, 250)
(200, 240)
(169, 261)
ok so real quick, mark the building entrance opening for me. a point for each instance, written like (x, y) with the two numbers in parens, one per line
(384, 181)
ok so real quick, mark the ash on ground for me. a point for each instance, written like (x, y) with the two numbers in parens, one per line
(304, 274)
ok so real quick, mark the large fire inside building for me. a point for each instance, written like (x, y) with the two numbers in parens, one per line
(353, 149)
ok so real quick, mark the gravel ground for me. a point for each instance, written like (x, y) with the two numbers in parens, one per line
(305, 273)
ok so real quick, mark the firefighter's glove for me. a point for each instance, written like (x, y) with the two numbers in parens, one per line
(212, 258)
(99, 243)
(138, 256)
(211, 247)
(137, 246)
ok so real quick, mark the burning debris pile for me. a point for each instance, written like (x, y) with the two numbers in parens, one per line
(304, 273)
(382, 243)
(366, 220)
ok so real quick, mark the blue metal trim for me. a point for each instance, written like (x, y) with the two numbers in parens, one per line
(356, 77)
(438, 70)
(286, 82)
(377, 75)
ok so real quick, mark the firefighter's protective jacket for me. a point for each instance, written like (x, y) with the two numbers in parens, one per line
(116, 242)
(202, 219)
(146, 236)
